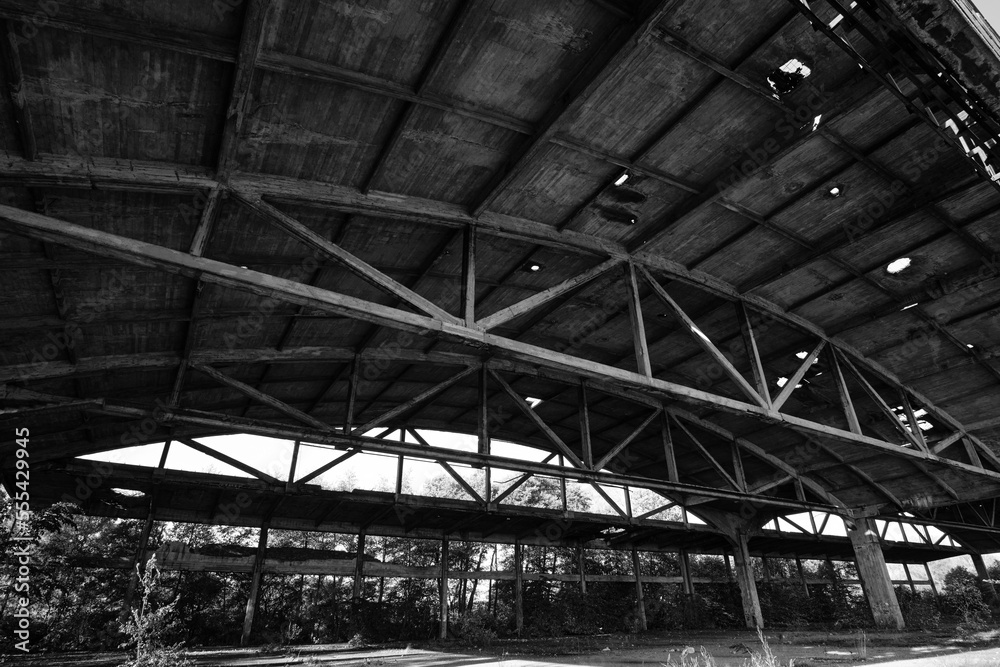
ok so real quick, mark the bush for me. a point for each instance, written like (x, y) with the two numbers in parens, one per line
(478, 627)
(150, 624)
(964, 600)
(920, 610)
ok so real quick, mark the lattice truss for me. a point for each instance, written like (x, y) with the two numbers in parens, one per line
(631, 366)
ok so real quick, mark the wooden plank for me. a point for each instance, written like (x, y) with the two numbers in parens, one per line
(419, 399)
(883, 406)
(586, 445)
(239, 465)
(617, 449)
(640, 603)
(750, 342)
(793, 381)
(911, 419)
(514, 311)
(539, 423)
(255, 582)
(333, 251)
(295, 66)
(326, 466)
(703, 341)
(845, 394)
(462, 483)
(707, 455)
(638, 326)
(260, 396)
(668, 448)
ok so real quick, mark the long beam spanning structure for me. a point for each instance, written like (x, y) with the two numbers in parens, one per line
(744, 257)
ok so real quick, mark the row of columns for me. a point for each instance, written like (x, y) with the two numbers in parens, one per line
(872, 572)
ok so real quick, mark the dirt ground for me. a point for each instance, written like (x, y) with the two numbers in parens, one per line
(808, 649)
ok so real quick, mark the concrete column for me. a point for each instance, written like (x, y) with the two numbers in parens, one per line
(747, 583)
(518, 598)
(874, 575)
(983, 574)
(443, 591)
(258, 572)
(640, 605)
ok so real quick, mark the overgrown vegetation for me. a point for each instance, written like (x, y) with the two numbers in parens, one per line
(149, 624)
(78, 608)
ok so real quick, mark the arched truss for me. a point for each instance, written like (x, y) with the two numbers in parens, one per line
(727, 422)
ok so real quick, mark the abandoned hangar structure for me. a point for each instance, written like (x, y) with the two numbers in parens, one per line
(741, 253)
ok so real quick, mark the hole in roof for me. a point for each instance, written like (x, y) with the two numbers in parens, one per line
(782, 382)
(802, 355)
(132, 493)
(816, 122)
(835, 191)
(787, 78)
(912, 305)
(533, 267)
(633, 220)
(899, 265)
(621, 179)
(532, 401)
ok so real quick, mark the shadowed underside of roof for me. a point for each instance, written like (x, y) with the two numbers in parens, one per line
(671, 221)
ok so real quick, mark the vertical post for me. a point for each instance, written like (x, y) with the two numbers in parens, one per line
(745, 579)
(359, 568)
(258, 573)
(469, 277)
(587, 448)
(518, 595)
(640, 605)
(802, 575)
(562, 487)
(399, 476)
(164, 454)
(581, 569)
(295, 460)
(874, 574)
(137, 561)
(983, 574)
(638, 327)
(765, 569)
(443, 591)
(482, 420)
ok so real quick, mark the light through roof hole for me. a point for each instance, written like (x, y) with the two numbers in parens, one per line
(787, 78)
(899, 265)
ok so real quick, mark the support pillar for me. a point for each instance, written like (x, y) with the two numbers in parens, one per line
(138, 560)
(359, 569)
(747, 583)
(580, 568)
(443, 591)
(874, 574)
(802, 575)
(983, 574)
(518, 598)
(685, 564)
(258, 572)
(640, 605)
(930, 579)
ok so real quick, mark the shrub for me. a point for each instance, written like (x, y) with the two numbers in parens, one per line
(149, 625)
(963, 599)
